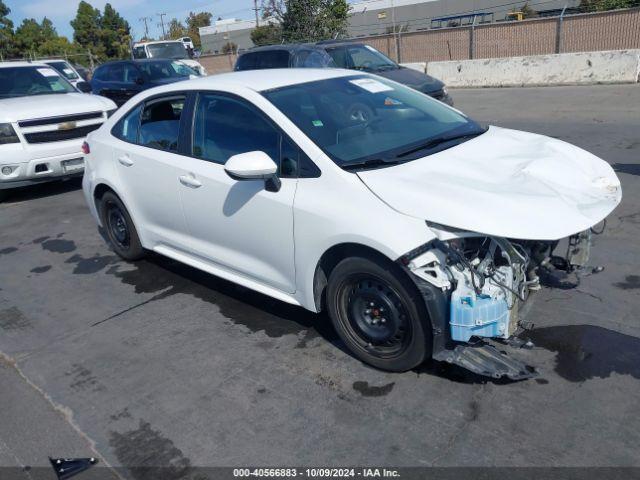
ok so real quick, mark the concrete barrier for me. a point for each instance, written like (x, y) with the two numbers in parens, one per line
(419, 66)
(615, 66)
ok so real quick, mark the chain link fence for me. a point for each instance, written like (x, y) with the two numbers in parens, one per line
(613, 30)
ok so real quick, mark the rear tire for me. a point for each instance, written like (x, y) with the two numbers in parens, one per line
(379, 314)
(120, 229)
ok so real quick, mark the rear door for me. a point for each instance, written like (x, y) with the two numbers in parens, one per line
(148, 163)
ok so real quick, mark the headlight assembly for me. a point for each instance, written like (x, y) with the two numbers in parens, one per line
(8, 134)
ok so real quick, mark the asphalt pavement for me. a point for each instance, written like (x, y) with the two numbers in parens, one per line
(156, 364)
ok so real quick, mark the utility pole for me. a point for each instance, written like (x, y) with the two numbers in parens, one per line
(255, 9)
(162, 15)
(146, 27)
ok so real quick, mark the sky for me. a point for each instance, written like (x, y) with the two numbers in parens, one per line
(61, 12)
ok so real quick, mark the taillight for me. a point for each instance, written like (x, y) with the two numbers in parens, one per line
(85, 148)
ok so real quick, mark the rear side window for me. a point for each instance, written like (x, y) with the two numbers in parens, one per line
(312, 59)
(224, 127)
(263, 60)
(127, 127)
(160, 123)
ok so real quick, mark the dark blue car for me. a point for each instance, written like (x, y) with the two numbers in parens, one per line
(121, 80)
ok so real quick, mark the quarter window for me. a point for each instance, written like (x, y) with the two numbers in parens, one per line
(127, 127)
(160, 123)
(224, 127)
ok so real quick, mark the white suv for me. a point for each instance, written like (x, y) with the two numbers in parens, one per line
(416, 228)
(43, 123)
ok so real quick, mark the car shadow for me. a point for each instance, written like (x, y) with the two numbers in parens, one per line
(628, 168)
(165, 277)
(43, 190)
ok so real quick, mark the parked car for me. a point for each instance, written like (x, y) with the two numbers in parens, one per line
(121, 80)
(340, 54)
(43, 123)
(70, 73)
(418, 230)
(170, 49)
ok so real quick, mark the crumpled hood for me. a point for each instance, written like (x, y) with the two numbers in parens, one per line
(504, 183)
(43, 106)
(412, 78)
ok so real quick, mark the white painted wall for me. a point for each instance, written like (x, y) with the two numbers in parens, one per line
(616, 66)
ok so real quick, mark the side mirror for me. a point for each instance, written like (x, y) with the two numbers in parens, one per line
(254, 166)
(84, 87)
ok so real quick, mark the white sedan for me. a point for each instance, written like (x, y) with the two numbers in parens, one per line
(418, 230)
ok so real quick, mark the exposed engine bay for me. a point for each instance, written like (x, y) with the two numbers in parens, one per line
(485, 281)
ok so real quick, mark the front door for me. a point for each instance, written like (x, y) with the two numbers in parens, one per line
(238, 225)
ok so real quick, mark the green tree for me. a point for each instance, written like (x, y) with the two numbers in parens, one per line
(176, 29)
(31, 35)
(6, 31)
(602, 5)
(309, 20)
(115, 33)
(269, 34)
(87, 28)
(194, 22)
(58, 47)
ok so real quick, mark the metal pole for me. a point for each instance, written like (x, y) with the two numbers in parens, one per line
(162, 15)
(255, 8)
(559, 31)
(472, 38)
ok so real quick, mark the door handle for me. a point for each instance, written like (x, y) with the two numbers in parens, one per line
(189, 181)
(125, 160)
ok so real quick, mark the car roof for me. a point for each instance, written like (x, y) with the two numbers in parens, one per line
(261, 80)
(137, 61)
(299, 46)
(284, 46)
(139, 44)
(23, 64)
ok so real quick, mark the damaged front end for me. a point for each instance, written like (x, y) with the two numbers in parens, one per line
(474, 285)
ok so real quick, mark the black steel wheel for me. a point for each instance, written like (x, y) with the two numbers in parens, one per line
(379, 314)
(119, 228)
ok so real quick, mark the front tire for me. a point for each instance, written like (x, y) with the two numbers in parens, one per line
(120, 229)
(379, 314)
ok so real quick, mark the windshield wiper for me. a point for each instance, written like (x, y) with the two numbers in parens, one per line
(371, 163)
(434, 142)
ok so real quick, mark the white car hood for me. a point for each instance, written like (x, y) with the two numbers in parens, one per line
(504, 183)
(42, 106)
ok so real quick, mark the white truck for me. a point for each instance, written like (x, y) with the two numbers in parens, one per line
(173, 49)
(43, 123)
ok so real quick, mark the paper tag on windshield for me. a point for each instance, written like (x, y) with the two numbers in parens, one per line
(48, 72)
(371, 85)
(68, 71)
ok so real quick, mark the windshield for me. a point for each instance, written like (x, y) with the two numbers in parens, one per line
(360, 57)
(27, 81)
(64, 69)
(366, 118)
(167, 50)
(166, 69)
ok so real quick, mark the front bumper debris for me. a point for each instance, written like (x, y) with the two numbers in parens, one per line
(486, 360)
